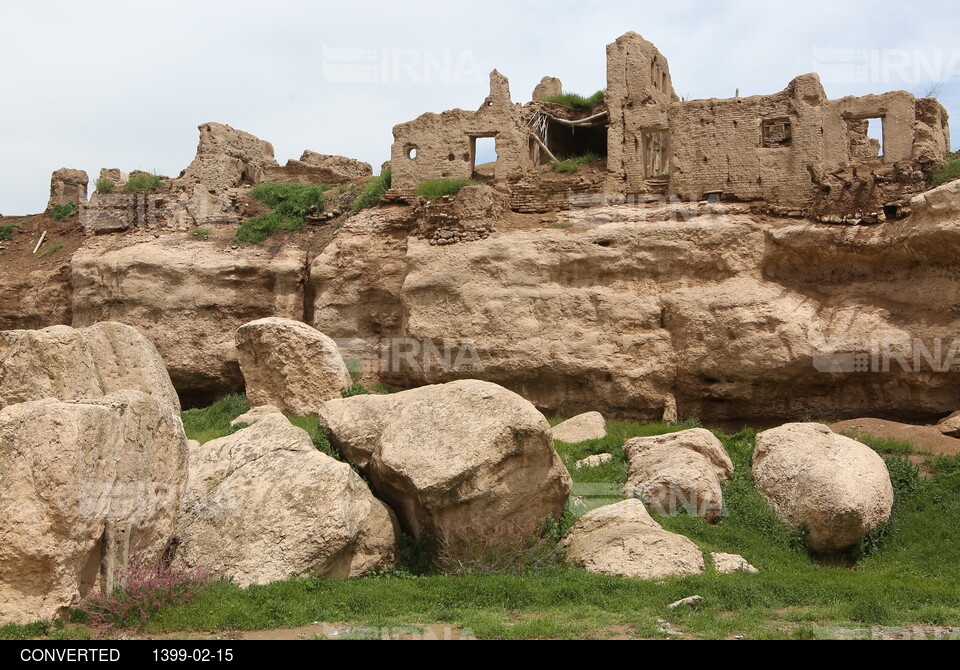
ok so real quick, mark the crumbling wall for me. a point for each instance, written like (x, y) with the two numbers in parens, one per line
(227, 158)
(442, 146)
(320, 169)
(68, 185)
(639, 93)
(756, 148)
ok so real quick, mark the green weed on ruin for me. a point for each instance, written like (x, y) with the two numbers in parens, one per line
(289, 203)
(578, 101)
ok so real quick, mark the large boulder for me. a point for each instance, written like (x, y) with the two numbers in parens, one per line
(589, 426)
(263, 504)
(70, 364)
(836, 487)
(679, 470)
(290, 365)
(457, 461)
(623, 539)
(84, 486)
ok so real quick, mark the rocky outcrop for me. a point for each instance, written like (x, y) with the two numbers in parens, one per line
(455, 461)
(254, 415)
(837, 488)
(623, 539)
(594, 461)
(264, 504)
(71, 364)
(679, 471)
(732, 564)
(188, 297)
(589, 426)
(290, 365)
(636, 310)
(314, 168)
(84, 486)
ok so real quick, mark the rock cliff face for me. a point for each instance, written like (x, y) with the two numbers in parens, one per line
(737, 316)
(188, 297)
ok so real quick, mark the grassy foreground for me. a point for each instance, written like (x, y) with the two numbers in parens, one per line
(902, 574)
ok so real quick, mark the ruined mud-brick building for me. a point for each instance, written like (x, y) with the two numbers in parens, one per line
(795, 150)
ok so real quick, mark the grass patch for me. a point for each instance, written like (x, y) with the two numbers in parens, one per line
(578, 101)
(433, 190)
(907, 576)
(6, 231)
(51, 250)
(213, 422)
(571, 164)
(105, 185)
(64, 212)
(949, 172)
(201, 233)
(142, 182)
(289, 204)
(374, 191)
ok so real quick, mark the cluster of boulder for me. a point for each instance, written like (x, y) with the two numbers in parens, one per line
(95, 468)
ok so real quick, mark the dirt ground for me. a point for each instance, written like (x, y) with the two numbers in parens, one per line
(925, 438)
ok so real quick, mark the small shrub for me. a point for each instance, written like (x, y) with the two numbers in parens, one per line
(201, 233)
(106, 185)
(949, 172)
(51, 250)
(374, 191)
(64, 212)
(432, 190)
(355, 390)
(144, 590)
(6, 231)
(572, 164)
(142, 183)
(578, 101)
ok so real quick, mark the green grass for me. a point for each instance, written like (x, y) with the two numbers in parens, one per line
(104, 185)
(907, 574)
(213, 422)
(432, 190)
(51, 250)
(201, 233)
(374, 191)
(6, 231)
(142, 183)
(578, 101)
(289, 204)
(64, 212)
(571, 164)
(949, 172)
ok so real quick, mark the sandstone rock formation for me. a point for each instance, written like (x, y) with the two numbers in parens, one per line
(84, 486)
(264, 504)
(68, 185)
(254, 415)
(455, 461)
(314, 168)
(951, 425)
(731, 564)
(623, 539)
(67, 364)
(735, 316)
(290, 365)
(679, 470)
(549, 87)
(836, 487)
(589, 426)
(188, 297)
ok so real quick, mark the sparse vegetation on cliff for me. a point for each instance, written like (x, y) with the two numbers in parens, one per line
(6, 231)
(949, 172)
(106, 185)
(438, 188)
(290, 204)
(63, 212)
(374, 191)
(578, 101)
(142, 182)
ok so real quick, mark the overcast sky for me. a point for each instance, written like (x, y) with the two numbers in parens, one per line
(124, 84)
